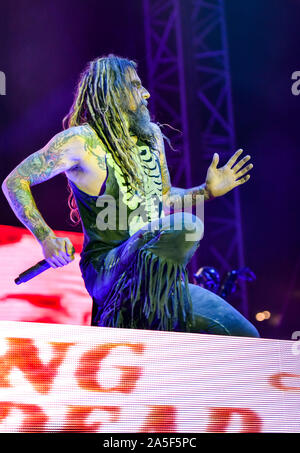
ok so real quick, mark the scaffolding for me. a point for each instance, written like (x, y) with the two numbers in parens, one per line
(180, 35)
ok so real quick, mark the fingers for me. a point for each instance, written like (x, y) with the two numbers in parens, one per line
(244, 171)
(57, 261)
(62, 257)
(240, 172)
(241, 163)
(234, 158)
(242, 180)
(69, 247)
(215, 160)
(53, 262)
(66, 255)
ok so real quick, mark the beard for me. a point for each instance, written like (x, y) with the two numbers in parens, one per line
(140, 123)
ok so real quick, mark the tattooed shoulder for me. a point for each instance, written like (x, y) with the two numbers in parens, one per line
(92, 144)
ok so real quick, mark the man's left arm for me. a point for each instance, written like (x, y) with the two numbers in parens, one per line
(218, 181)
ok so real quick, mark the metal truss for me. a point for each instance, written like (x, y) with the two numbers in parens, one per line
(166, 80)
(203, 40)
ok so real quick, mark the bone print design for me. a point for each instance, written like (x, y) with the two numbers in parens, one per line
(149, 207)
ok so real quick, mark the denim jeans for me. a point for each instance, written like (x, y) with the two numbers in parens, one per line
(173, 239)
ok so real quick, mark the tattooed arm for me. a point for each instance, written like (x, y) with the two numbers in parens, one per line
(61, 153)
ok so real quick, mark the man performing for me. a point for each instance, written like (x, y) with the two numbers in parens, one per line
(112, 154)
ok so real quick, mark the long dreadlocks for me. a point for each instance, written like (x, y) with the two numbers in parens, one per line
(101, 91)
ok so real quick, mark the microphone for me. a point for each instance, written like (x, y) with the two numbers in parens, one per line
(37, 269)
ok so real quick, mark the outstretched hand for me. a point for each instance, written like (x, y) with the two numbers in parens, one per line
(221, 180)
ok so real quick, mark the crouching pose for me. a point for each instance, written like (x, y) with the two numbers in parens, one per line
(135, 251)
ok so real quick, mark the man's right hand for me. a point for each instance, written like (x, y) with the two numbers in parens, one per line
(57, 251)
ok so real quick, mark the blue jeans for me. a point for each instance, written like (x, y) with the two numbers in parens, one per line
(171, 241)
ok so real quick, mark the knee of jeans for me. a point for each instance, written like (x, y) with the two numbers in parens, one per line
(185, 239)
(191, 226)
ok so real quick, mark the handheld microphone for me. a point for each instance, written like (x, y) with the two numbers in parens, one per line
(39, 267)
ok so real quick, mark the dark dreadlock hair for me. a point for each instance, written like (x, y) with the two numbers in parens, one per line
(101, 91)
